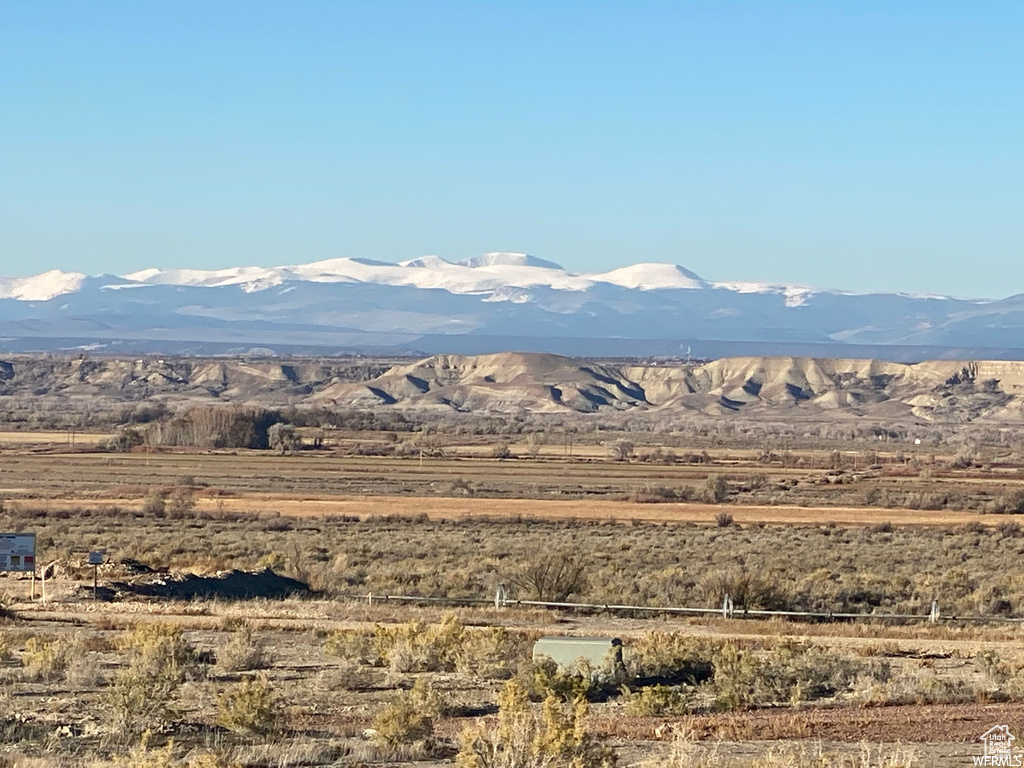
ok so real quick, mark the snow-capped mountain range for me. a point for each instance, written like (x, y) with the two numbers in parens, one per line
(513, 299)
(483, 274)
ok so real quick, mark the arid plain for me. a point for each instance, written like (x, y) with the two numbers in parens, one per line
(908, 492)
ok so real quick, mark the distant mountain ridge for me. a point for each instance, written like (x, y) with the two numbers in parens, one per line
(350, 304)
(509, 383)
(789, 387)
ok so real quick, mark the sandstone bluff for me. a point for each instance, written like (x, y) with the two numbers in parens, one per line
(787, 387)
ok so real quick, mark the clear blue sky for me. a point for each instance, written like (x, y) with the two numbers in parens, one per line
(862, 145)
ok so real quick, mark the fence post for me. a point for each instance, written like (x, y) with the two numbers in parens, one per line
(934, 616)
(727, 607)
(369, 599)
(500, 597)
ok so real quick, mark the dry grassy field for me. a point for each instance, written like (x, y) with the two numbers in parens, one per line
(597, 511)
(151, 675)
(52, 438)
(862, 489)
(313, 682)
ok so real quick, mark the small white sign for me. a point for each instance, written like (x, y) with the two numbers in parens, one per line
(97, 558)
(18, 552)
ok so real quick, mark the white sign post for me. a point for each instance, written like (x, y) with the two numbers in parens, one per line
(18, 552)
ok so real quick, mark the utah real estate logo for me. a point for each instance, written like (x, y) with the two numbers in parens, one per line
(998, 743)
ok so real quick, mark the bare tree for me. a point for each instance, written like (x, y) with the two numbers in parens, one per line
(554, 578)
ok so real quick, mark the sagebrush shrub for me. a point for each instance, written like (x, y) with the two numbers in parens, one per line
(251, 706)
(50, 659)
(443, 647)
(716, 489)
(181, 502)
(555, 737)
(658, 701)
(353, 644)
(84, 671)
(144, 756)
(791, 672)
(670, 657)
(492, 653)
(155, 504)
(159, 660)
(799, 672)
(243, 651)
(543, 678)
(420, 647)
(158, 639)
(737, 680)
(409, 718)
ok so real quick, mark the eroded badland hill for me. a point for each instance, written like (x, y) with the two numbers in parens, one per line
(787, 387)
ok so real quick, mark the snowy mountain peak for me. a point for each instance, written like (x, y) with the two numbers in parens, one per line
(500, 259)
(507, 297)
(501, 276)
(427, 262)
(498, 274)
(40, 287)
(338, 266)
(652, 276)
(262, 277)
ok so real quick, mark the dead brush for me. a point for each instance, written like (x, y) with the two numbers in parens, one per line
(688, 754)
(915, 682)
(349, 675)
(284, 753)
(789, 673)
(144, 756)
(746, 589)
(243, 651)
(85, 671)
(5, 646)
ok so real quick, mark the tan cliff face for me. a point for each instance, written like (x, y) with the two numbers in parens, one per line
(942, 390)
(791, 387)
